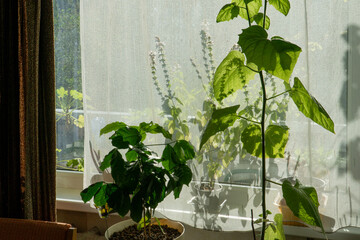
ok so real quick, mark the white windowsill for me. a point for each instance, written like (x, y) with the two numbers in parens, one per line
(70, 184)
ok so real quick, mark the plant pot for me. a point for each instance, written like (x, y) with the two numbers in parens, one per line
(163, 221)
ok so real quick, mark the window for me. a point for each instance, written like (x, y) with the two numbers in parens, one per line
(154, 61)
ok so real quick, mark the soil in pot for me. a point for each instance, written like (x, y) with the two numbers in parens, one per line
(131, 233)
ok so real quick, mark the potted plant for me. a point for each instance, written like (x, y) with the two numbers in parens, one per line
(142, 179)
(277, 57)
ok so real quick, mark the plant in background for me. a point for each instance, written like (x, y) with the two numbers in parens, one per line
(142, 179)
(67, 101)
(277, 57)
(223, 147)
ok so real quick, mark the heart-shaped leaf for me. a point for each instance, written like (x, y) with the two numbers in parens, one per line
(259, 19)
(228, 12)
(231, 75)
(282, 6)
(276, 138)
(309, 106)
(303, 202)
(276, 56)
(220, 120)
(252, 5)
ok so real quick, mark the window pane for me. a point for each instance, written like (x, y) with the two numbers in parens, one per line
(69, 98)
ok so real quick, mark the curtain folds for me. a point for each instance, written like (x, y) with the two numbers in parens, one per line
(27, 110)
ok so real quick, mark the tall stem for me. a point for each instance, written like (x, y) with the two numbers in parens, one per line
(263, 165)
(263, 170)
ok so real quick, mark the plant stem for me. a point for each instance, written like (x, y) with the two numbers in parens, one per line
(268, 180)
(252, 224)
(263, 171)
(278, 94)
(247, 119)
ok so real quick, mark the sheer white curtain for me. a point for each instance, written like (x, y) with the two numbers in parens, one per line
(118, 85)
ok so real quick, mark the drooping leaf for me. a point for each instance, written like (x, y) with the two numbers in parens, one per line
(169, 158)
(90, 191)
(231, 75)
(303, 202)
(184, 150)
(107, 160)
(184, 174)
(275, 231)
(276, 138)
(309, 106)
(252, 5)
(154, 128)
(276, 56)
(282, 6)
(220, 120)
(228, 12)
(136, 207)
(259, 19)
(251, 139)
(118, 168)
(112, 127)
(102, 196)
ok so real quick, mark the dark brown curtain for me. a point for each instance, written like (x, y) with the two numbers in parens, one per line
(27, 110)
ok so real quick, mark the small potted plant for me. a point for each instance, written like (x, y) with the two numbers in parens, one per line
(142, 179)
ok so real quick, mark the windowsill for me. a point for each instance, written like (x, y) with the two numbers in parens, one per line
(70, 184)
(68, 187)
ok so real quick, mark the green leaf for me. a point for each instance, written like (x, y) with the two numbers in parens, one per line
(228, 12)
(169, 158)
(184, 174)
(276, 138)
(259, 19)
(282, 6)
(231, 75)
(275, 231)
(251, 139)
(118, 168)
(120, 202)
(154, 128)
(126, 136)
(276, 56)
(131, 156)
(61, 92)
(253, 7)
(112, 127)
(303, 202)
(220, 120)
(107, 160)
(309, 106)
(136, 207)
(184, 150)
(102, 196)
(90, 191)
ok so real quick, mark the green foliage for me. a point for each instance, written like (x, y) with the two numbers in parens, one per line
(265, 138)
(309, 106)
(221, 119)
(231, 75)
(141, 180)
(276, 56)
(303, 202)
(282, 6)
(275, 231)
